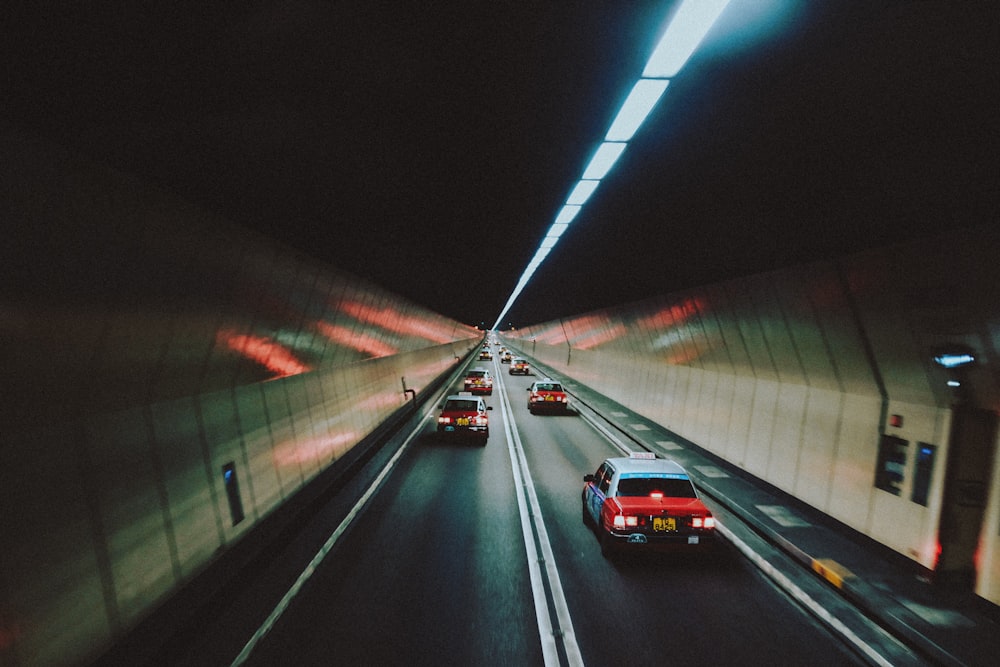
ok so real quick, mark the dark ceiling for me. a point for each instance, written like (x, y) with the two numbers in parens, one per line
(428, 145)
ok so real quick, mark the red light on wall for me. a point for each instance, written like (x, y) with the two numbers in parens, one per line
(896, 421)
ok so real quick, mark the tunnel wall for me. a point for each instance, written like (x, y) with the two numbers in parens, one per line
(147, 345)
(795, 376)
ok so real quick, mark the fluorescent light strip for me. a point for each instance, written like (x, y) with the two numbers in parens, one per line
(566, 214)
(556, 230)
(581, 193)
(644, 96)
(685, 32)
(605, 157)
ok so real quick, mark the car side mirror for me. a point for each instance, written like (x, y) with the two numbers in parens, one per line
(489, 407)
(589, 478)
(529, 388)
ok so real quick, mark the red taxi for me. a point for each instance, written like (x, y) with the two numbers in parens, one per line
(478, 381)
(548, 395)
(464, 415)
(518, 366)
(642, 502)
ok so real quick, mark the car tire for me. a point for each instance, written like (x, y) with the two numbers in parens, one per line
(607, 544)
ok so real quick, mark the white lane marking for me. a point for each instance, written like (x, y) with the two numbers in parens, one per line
(600, 428)
(668, 444)
(803, 598)
(639, 427)
(782, 516)
(268, 624)
(711, 471)
(526, 495)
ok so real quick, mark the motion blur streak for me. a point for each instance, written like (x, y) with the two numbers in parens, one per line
(322, 449)
(359, 342)
(264, 351)
(672, 315)
(597, 338)
(392, 320)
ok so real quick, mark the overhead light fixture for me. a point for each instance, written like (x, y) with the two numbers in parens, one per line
(639, 103)
(581, 193)
(685, 32)
(566, 214)
(682, 36)
(557, 229)
(605, 157)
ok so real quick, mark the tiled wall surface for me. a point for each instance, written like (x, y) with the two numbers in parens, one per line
(146, 348)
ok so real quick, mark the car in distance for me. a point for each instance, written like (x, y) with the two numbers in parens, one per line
(548, 395)
(485, 354)
(464, 415)
(505, 357)
(641, 502)
(518, 366)
(478, 381)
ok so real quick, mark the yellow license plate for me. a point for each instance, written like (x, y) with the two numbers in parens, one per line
(550, 398)
(664, 523)
(462, 421)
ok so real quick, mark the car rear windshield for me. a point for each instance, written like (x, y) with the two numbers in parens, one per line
(643, 486)
(477, 374)
(549, 386)
(462, 404)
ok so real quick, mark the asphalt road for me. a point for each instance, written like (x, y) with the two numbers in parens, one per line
(435, 570)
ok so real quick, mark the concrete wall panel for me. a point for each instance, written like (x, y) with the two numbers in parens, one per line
(196, 522)
(818, 450)
(786, 436)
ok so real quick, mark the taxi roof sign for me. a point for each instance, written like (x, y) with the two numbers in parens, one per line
(642, 455)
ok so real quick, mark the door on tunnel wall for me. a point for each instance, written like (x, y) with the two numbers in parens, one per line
(966, 488)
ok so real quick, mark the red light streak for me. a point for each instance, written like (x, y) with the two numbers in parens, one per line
(392, 320)
(360, 342)
(264, 351)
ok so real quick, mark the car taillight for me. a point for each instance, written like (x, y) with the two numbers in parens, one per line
(480, 421)
(703, 522)
(625, 521)
(444, 420)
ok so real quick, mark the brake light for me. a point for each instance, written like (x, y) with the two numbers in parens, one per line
(624, 521)
(444, 420)
(703, 522)
(659, 494)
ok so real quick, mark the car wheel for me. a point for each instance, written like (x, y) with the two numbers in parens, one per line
(607, 545)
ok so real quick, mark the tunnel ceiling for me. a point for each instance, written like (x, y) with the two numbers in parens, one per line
(428, 146)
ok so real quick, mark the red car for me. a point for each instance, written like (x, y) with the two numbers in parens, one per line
(518, 366)
(642, 502)
(479, 381)
(547, 395)
(464, 415)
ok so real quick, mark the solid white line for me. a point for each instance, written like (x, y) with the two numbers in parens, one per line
(525, 487)
(324, 550)
(803, 598)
